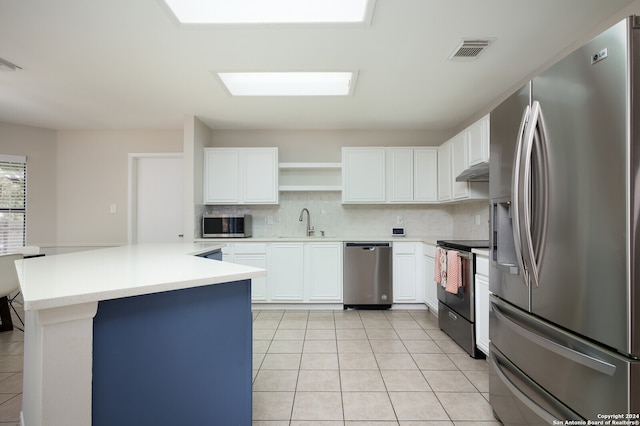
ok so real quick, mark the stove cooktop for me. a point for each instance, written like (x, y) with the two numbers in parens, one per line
(465, 245)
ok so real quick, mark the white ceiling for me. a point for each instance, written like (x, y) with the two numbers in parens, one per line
(122, 64)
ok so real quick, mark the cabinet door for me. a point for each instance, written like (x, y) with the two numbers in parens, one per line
(430, 286)
(482, 313)
(404, 273)
(363, 175)
(399, 175)
(444, 171)
(478, 141)
(286, 276)
(258, 285)
(323, 272)
(221, 176)
(458, 165)
(259, 168)
(425, 172)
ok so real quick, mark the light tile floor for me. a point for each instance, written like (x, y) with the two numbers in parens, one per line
(11, 363)
(326, 368)
(363, 367)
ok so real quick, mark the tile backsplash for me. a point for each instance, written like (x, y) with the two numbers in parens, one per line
(466, 220)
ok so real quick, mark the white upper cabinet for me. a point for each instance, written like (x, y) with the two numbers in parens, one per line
(363, 175)
(466, 149)
(221, 175)
(477, 136)
(400, 175)
(259, 174)
(241, 176)
(425, 174)
(444, 171)
(459, 190)
(389, 175)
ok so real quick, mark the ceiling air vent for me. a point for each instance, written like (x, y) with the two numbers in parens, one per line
(469, 50)
(8, 66)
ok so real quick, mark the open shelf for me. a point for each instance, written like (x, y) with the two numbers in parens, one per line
(310, 177)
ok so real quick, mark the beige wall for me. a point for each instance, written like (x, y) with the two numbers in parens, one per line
(324, 145)
(93, 174)
(39, 146)
(75, 176)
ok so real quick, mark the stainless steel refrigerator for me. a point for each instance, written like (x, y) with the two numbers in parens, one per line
(565, 239)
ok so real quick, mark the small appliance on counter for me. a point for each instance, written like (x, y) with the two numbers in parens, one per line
(397, 232)
(226, 225)
(456, 307)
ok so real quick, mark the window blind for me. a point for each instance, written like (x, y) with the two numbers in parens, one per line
(13, 202)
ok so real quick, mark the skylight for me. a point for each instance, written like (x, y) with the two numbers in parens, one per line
(288, 83)
(271, 11)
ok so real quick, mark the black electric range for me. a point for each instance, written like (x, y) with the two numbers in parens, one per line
(456, 311)
(464, 245)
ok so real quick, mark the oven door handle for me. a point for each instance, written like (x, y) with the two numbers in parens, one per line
(462, 254)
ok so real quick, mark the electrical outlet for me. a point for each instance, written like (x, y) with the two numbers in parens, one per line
(399, 220)
(477, 219)
(269, 220)
(113, 208)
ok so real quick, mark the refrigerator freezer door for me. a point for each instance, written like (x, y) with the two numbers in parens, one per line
(583, 267)
(517, 400)
(589, 379)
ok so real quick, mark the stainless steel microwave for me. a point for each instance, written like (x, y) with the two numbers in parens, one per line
(226, 226)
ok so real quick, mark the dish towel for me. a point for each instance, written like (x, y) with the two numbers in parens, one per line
(440, 275)
(454, 272)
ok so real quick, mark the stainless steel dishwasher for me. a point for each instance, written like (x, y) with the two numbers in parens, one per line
(368, 275)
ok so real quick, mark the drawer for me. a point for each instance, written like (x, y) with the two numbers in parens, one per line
(404, 248)
(429, 250)
(250, 248)
(482, 266)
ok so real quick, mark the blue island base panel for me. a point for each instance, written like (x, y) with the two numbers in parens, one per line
(180, 357)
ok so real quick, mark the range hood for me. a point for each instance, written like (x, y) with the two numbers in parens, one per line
(476, 173)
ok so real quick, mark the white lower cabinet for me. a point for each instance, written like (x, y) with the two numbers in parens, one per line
(296, 272)
(285, 276)
(323, 272)
(407, 273)
(250, 254)
(430, 286)
(482, 303)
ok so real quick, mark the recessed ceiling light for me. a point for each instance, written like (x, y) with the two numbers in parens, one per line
(288, 83)
(270, 11)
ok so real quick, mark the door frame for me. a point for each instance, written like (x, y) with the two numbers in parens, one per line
(132, 210)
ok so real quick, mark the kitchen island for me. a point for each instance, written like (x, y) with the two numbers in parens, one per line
(140, 334)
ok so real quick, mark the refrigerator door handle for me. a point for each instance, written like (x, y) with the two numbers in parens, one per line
(515, 194)
(524, 189)
(522, 397)
(586, 360)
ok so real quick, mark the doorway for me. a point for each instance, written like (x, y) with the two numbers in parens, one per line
(156, 198)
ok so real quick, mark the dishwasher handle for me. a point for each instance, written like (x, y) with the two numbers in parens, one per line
(367, 246)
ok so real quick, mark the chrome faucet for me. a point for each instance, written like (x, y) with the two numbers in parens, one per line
(310, 229)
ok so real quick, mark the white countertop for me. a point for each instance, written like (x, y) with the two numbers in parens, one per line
(111, 273)
(328, 239)
(481, 252)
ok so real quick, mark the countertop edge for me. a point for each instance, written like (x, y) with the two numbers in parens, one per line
(56, 281)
